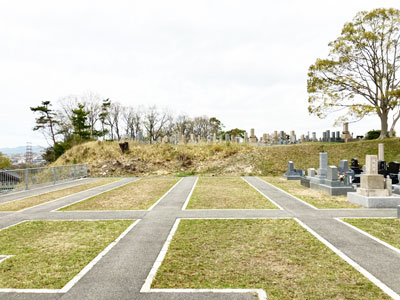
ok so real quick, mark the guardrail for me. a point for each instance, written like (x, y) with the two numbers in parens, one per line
(24, 179)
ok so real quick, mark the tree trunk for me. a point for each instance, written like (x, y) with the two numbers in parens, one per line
(395, 119)
(384, 124)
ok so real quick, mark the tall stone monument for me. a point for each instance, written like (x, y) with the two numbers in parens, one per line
(346, 136)
(374, 190)
(253, 138)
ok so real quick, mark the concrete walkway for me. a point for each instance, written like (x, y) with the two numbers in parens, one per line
(121, 273)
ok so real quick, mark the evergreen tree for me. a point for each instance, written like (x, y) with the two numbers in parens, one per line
(80, 122)
(47, 121)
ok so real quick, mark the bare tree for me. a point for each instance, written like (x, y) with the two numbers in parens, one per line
(154, 122)
(114, 119)
(202, 126)
(184, 125)
(92, 102)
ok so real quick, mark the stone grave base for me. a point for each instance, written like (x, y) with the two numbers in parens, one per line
(305, 182)
(331, 190)
(292, 177)
(374, 202)
(396, 188)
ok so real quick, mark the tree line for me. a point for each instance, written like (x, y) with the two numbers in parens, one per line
(75, 119)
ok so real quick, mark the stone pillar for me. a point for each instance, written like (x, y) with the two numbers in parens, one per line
(346, 136)
(388, 185)
(246, 137)
(275, 136)
(332, 173)
(214, 138)
(381, 151)
(265, 138)
(311, 172)
(345, 127)
(323, 164)
(253, 138)
(314, 137)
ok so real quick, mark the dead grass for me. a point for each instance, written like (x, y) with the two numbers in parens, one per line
(140, 194)
(278, 256)
(50, 253)
(316, 198)
(231, 159)
(226, 193)
(46, 197)
(387, 230)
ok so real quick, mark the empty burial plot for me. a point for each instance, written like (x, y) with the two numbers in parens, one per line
(276, 255)
(227, 193)
(16, 205)
(139, 194)
(48, 254)
(387, 230)
(316, 198)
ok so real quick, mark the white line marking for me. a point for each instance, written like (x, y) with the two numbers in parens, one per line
(276, 204)
(190, 194)
(99, 193)
(46, 186)
(14, 224)
(147, 284)
(4, 257)
(294, 197)
(146, 288)
(74, 194)
(367, 234)
(86, 269)
(77, 277)
(261, 294)
(351, 262)
(56, 190)
(165, 195)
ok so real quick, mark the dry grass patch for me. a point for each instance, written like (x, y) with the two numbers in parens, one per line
(387, 230)
(278, 256)
(226, 193)
(316, 198)
(46, 197)
(48, 254)
(140, 194)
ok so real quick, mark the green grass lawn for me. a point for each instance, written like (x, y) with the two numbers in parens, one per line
(387, 230)
(316, 198)
(277, 255)
(227, 193)
(48, 254)
(140, 194)
(50, 196)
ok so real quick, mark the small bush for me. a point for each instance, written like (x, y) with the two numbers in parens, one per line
(373, 134)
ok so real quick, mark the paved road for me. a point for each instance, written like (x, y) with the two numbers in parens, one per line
(121, 273)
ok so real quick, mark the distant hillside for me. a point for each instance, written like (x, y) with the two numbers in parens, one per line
(20, 150)
(106, 159)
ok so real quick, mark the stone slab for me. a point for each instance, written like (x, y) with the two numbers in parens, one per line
(331, 190)
(374, 202)
(292, 177)
(304, 181)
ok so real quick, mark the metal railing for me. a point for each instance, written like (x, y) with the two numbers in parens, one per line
(24, 179)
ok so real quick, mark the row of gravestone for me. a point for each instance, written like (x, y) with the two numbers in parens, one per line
(342, 179)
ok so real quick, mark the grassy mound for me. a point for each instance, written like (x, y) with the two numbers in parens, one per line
(106, 159)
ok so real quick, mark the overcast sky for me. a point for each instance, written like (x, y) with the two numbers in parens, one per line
(244, 62)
